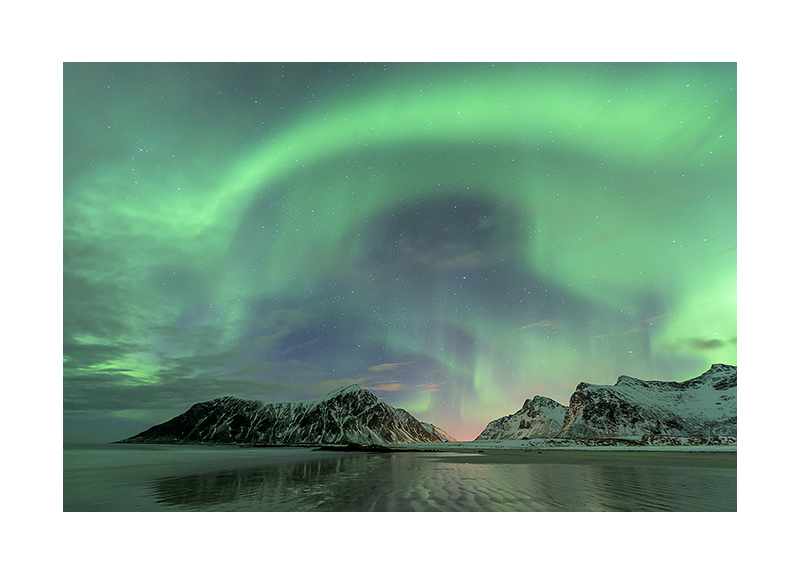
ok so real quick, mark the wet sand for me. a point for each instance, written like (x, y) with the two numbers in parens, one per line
(669, 458)
(177, 478)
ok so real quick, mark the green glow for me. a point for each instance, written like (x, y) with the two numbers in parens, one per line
(211, 225)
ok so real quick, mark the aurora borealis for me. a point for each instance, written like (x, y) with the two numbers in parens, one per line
(455, 238)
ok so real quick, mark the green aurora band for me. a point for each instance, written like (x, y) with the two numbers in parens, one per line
(456, 238)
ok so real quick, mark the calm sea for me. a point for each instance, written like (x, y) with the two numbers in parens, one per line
(219, 478)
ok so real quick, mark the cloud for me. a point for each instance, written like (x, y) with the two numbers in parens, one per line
(637, 328)
(543, 323)
(388, 366)
(386, 386)
(658, 317)
(626, 332)
(430, 389)
(700, 343)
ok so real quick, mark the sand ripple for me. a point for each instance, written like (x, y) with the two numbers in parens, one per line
(318, 481)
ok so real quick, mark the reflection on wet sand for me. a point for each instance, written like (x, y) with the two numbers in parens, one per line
(295, 486)
(456, 482)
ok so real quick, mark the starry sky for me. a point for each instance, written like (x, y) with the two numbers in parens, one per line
(455, 238)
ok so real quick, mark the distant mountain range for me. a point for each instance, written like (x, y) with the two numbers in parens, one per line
(704, 406)
(349, 415)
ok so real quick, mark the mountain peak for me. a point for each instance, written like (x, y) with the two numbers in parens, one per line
(721, 368)
(349, 414)
(702, 406)
(353, 388)
(539, 417)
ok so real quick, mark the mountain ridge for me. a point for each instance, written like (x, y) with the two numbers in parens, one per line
(702, 406)
(347, 415)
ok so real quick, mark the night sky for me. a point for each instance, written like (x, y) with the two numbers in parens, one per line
(455, 238)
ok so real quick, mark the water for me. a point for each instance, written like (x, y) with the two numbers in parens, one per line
(196, 478)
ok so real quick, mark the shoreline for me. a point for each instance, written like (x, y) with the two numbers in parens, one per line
(665, 456)
(474, 449)
(715, 457)
(637, 445)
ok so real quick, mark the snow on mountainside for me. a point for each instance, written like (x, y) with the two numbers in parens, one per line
(347, 415)
(539, 417)
(443, 436)
(703, 406)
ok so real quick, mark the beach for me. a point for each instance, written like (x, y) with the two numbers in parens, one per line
(198, 478)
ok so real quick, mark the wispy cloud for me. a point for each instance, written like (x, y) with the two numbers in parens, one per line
(385, 386)
(700, 343)
(429, 389)
(543, 323)
(636, 329)
(388, 366)
(658, 317)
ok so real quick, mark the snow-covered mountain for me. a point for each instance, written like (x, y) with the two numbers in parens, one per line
(539, 417)
(345, 416)
(440, 433)
(703, 406)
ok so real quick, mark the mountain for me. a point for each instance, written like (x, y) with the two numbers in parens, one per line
(703, 406)
(539, 417)
(345, 416)
(440, 433)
